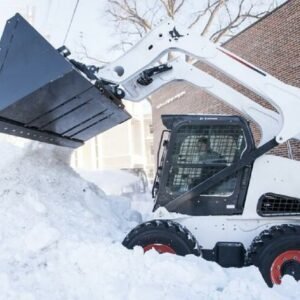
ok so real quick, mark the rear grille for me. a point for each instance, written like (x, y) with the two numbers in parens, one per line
(278, 205)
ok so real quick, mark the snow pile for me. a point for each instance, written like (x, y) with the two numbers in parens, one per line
(114, 182)
(104, 179)
(60, 238)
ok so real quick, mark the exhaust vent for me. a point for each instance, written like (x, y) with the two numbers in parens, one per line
(278, 205)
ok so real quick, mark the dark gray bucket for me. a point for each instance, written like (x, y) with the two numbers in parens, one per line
(43, 97)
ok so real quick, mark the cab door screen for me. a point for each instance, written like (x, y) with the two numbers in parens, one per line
(199, 153)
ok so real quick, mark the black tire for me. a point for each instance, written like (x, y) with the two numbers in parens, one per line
(163, 232)
(277, 246)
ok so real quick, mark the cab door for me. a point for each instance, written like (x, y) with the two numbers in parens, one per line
(189, 164)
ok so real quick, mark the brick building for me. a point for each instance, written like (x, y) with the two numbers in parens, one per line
(272, 44)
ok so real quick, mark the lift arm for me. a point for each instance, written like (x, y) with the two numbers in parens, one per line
(128, 70)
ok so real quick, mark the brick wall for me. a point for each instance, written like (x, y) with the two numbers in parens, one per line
(272, 44)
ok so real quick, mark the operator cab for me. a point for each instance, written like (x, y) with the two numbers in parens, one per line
(197, 148)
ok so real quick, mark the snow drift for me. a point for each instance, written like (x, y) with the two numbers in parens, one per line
(104, 179)
(60, 238)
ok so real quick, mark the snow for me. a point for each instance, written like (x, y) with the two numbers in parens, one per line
(103, 178)
(60, 238)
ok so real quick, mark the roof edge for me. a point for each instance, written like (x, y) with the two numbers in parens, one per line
(259, 20)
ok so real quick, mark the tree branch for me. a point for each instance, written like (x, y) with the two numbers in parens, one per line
(179, 6)
(133, 19)
(86, 55)
(212, 16)
(237, 21)
(202, 13)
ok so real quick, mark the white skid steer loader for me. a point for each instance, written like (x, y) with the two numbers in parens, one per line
(218, 195)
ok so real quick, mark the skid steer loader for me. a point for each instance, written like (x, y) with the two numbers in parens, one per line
(216, 193)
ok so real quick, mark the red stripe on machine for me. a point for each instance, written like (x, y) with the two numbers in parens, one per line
(243, 62)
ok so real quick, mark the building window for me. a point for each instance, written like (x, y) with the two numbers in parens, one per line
(151, 128)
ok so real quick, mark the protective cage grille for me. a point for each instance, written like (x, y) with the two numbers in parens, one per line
(278, 205)
(226, 140)
(201, 151)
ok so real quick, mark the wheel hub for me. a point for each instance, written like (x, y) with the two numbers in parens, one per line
(160, 248)
(291, 268)
(287, 262)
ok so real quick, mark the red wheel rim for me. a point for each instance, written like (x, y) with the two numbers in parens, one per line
(279, 261)
(160, 248)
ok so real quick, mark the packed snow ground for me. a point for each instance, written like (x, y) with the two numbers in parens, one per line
(60, 238)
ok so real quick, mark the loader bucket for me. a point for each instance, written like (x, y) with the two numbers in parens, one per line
(43, 97)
